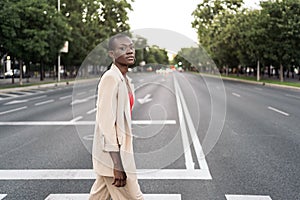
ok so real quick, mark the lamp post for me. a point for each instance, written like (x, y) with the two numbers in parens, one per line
(58, 58)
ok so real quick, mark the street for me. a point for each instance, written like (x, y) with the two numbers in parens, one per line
(195, 138)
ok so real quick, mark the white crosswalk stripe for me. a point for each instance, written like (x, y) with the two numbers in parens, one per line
(2, 196)
(85, 197)
(247, 197)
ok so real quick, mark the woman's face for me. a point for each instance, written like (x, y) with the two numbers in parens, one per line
(124, 52)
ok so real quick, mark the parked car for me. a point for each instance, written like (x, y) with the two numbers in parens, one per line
(10, 73)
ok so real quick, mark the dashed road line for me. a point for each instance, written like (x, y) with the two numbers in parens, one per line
(65, 97)
(91, 111)
(86, 196)
(13, 110)
(247, 197)
(235, 94)
(44, 102)
(76, 119)
(278, 111)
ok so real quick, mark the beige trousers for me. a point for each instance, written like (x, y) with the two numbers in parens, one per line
(103, 189)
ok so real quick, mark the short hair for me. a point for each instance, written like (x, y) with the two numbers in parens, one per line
(111, 42)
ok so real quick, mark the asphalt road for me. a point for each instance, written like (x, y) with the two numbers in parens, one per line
(248, 133)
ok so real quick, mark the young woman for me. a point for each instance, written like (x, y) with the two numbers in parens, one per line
(113, 159)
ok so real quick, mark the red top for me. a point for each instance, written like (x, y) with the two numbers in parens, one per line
(131, 101)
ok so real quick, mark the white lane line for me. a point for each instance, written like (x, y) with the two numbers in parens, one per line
(24, 100)
(80, 93)
(154, 122)
(189, 163)
(235, 94)
(86, 196)
(76, 119)
(44, 102)
(78, 101)
(247, 197)
(13, 110)
(293, 96)
(195, 140)
(91, 111)
(279, 111)
(79, 123)
(2, 196)
(89, 174)
(65, 97)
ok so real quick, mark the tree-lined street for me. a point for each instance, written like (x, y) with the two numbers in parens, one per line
(256, 153)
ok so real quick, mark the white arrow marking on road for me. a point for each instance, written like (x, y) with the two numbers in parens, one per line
(146, 99)
(2, 196)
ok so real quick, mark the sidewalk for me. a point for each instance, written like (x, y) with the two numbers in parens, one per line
(31, 83)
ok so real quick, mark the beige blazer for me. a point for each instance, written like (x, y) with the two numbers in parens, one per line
(113, 124)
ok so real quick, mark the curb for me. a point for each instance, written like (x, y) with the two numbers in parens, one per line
(47, 85)
(252, 82)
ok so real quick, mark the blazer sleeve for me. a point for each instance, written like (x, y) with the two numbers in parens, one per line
(106, 111)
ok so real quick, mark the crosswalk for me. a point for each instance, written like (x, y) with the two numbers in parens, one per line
(84, 196)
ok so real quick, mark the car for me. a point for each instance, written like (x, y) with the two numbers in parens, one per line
(180, 69)
(10, 73)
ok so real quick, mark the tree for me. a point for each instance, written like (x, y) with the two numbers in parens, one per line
(27, 28)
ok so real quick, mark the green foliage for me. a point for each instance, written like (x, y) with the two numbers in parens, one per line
(234, 36)
(34, 31)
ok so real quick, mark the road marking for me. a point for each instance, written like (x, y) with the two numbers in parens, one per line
(86, 196)
(24, 100)
(65, 97)
(195, 140)
(78, 101)
(44, 102)
(76, 119)
(91, 111)
(89, 174)
(80, 93)
(279, 111)
(13, 110)
(154, 122)
(289, 95)
(146, 99)
(247, 197)
(2, 196)
(235, 94)
(189, 163)
(79, 123)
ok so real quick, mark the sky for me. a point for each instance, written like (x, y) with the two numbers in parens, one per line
(174, 15)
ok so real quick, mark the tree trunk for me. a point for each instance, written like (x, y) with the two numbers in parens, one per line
(281, 72)
(258, 71)
(42, 71)
(21, 72)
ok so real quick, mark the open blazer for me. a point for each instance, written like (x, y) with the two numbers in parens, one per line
(113, 124)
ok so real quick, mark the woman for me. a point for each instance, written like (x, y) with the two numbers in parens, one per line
(113, 159)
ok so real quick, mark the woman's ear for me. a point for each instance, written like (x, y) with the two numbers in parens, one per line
(111, 54)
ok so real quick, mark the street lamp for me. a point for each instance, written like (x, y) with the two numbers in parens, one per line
(58, 58)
